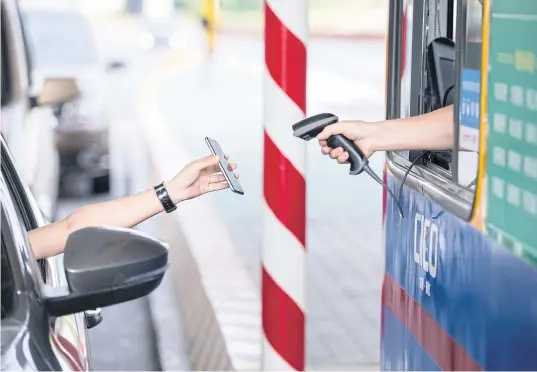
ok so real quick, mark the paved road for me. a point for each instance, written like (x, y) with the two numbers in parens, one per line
(222, 98)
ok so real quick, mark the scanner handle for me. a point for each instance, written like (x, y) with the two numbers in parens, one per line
(357, 158)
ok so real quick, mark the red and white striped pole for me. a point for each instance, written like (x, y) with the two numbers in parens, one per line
(284, 242)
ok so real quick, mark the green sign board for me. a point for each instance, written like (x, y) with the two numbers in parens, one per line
(511, 206)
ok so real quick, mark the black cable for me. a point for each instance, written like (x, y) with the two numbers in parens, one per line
(397, 199)
(444, 100)
(373, 175)
(414, 162)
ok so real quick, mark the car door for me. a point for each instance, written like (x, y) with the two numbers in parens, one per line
(68, 335)
(18, 295)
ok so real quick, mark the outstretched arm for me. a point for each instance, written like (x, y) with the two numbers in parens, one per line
(197, 178)
(431, 131)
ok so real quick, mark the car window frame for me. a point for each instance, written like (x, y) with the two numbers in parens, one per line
(14, 322)
(21, 251)
(6, 241)
(20, 199)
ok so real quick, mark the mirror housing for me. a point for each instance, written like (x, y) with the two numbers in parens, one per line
(106, 266)
(56, 91)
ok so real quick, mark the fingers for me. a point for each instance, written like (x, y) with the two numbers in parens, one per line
(340, 155)
(331, 130)
(342, 159)
(217, 186)
(216, 168)
(209, 166)
(215, 178)
(212, 169)
(335, 153)
(207, 162)
(219, 177)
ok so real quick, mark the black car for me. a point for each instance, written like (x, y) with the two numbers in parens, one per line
(48, 304)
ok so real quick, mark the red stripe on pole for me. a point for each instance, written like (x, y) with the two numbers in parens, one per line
(283, 323)
(285, 190)
(285, 57)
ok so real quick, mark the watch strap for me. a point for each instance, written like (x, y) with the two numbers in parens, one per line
(164, 197)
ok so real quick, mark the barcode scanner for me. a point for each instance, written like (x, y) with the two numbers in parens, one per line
(310, 127)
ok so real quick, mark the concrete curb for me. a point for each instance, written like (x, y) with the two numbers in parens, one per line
(218, 301)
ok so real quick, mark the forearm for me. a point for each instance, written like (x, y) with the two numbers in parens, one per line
(125, 212)
(432, 131)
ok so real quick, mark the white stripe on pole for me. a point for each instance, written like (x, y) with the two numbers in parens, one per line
(286, 260)
(280, 114)
(294, 15)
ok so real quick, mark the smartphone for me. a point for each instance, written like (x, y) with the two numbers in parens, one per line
(233, 183)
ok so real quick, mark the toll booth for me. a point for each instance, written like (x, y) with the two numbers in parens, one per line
(460, 287)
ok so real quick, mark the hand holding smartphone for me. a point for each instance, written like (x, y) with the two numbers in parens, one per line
(233, 183)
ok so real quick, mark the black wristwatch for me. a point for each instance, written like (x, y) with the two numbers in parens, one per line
(164, 197)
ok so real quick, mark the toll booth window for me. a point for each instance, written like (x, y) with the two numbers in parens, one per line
(4, 56)
(454, 79)
(446, 56)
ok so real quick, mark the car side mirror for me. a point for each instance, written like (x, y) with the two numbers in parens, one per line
(106, 266)
(56, 91)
